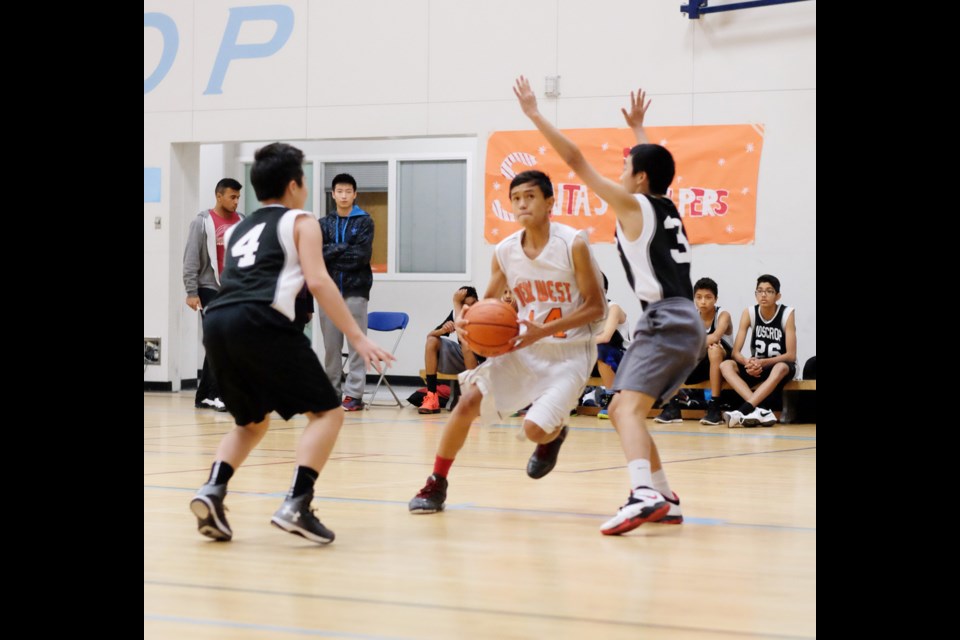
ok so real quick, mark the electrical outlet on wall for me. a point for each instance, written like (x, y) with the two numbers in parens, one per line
(151, 351)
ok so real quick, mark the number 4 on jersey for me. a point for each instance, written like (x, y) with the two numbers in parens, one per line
(555, 314)
(245, 249)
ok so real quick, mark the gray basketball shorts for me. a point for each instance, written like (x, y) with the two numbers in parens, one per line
(667, 344)
(450, 358)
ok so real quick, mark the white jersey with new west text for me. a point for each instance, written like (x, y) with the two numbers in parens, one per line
(545, 287)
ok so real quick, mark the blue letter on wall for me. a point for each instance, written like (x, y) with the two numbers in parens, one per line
(171, 42)
(281, 14)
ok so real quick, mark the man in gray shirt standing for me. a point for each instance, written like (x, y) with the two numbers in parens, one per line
(202, 264)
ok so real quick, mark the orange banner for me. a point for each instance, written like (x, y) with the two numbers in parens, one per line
(715, 188)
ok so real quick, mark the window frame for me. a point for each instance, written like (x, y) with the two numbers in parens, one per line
(393, 159)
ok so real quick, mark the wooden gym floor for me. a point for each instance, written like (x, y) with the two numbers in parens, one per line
(510, 558)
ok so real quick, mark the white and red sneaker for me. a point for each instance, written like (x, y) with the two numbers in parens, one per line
(643, 505)
(674, 516)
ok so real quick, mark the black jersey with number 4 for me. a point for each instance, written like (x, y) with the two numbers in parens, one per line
(261, 262)
(769, 336)
(658, 261)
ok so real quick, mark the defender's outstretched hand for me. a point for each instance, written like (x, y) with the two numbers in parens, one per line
(373, 355)
(638, 109)
(526, 96)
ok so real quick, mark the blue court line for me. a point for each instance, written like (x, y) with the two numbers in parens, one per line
(470, 506)
(323, 633)
(474, 610)
(737, 433)
(273, 427)
(726, 455)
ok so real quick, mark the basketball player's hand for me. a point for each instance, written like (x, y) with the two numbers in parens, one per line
(448, 327)
(459, 295)
(194, 303)
(638, 109)
(373, 354)
(754, 368)
(535, 331)
(460, 325)
(526, 96)
(716, 345)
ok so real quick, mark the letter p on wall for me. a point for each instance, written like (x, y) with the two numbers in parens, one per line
(231, 49)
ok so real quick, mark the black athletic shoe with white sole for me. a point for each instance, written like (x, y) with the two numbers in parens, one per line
(207, 505)
(296, 516)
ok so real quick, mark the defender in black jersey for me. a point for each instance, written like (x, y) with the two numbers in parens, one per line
(261, 357)
(773, 351)
(669, 337)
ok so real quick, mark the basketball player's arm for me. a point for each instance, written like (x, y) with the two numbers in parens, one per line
(191, 265)
(634, 117)
(309, 241)
(588, 282)
(446, 327)
(790, 332)
(615, 317)
(624, 204)
(741, 338)
(498, 282)
(359, 247)
(469, 358)
(724, 328)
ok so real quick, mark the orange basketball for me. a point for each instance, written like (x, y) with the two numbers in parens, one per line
(493, 327)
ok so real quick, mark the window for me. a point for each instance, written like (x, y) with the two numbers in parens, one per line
(417, 190)
(372, 184)
(431, 216)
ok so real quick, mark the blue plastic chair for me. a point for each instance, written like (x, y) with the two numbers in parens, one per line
(387, 321)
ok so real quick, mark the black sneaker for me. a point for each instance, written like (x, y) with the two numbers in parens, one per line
(605, 400)
(713, 416)
(296, 516)
(670, 413)
(544, 457)
(207, 505)
(430, 499)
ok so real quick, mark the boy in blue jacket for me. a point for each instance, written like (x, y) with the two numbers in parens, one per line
(347, 248)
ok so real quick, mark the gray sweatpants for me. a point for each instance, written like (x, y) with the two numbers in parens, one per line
(333, 344)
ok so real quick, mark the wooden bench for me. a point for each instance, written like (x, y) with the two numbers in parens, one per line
(790, 395)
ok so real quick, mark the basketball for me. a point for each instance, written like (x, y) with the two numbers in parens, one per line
(493, 327)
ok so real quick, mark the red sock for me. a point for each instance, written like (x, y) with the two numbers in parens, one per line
(441, 466)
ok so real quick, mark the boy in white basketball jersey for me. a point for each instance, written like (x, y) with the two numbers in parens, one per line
(554, 280)
(669, 336)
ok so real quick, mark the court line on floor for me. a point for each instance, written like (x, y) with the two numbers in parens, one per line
(470, 506)
(230, 624)
(473, 610)
(723, 434)
(726, 455)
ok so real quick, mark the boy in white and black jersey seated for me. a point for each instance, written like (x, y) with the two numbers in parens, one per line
(773, 360)
(717, 323)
